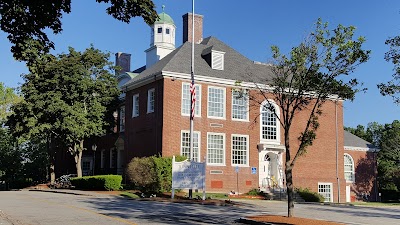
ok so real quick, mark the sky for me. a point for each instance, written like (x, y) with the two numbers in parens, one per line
(251, 27)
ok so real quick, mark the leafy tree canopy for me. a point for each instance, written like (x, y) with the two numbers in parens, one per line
(69, 97)
(392, 88)
(8, 97)
(389, 157)
(26, 21)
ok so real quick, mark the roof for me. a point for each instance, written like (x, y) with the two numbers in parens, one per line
(351, 140)
(164, 18)
(236, 66)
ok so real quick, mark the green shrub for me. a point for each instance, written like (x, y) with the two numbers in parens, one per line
(151, 174)
(254, 192)
(310, 196)
(100, 182)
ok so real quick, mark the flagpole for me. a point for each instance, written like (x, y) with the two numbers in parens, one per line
(192, 97)
(192, 100)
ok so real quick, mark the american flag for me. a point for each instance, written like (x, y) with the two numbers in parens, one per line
(193, 97)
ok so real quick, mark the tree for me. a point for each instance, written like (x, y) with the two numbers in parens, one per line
(389, 157)
(8, 97)
(392, 88)
(67, 98)
(372, 133)
(26, 21)
(307, 78)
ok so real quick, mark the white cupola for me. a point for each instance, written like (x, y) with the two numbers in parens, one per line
(162, 39)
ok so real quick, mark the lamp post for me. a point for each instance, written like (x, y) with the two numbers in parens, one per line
(94, 147)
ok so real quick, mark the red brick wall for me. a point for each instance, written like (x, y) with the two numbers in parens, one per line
(143, 133)
(365, 168)
(318, 165)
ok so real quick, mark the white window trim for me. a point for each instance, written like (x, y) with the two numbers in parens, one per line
(353, 169)
(325, 183)
(224, 103)
(111, 158)
(278, 127)
(247, 150)
(199, 139)
(198, 100)
(134, 105)
(149, 110)
(247, 109)
(224, 150)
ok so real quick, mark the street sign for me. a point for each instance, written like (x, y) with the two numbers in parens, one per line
(253, 170)
(237, 169)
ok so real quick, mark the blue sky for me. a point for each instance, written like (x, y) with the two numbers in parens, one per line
(250, 28)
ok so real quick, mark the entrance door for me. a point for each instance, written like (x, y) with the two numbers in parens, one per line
(268, 175)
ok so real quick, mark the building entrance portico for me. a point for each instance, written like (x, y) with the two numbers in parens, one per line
(270, 169)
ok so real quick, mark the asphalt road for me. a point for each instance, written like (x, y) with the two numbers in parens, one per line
(31, 208)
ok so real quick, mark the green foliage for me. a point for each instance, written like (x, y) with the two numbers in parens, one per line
(371, 134)
(392, 87)
(254, 192)
(100, 182)
(10, 157)
(129, 195)
(8, 97)
(26, 22)
(152, 174)
(69, 97)
(142, 172)
(389, 157)
(310, 196)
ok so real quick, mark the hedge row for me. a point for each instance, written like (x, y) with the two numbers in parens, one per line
(100, 182)
(151, 174)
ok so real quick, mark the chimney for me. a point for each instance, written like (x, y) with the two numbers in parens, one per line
(187, 28)
(123, 60)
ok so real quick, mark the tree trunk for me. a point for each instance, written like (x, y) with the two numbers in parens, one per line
(51, 152)
(289, 188)
(78, 158)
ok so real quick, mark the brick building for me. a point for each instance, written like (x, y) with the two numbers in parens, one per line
(241, 142)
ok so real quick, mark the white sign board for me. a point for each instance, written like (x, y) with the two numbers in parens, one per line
(188, 174)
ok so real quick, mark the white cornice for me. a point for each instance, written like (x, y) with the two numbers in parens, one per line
(360, 149)
(206, 79)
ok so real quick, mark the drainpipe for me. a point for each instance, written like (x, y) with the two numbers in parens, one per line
(337, 151)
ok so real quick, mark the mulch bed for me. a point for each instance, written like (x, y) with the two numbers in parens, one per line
(283, 220)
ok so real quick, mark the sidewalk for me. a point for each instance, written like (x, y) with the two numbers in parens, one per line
(72, 192)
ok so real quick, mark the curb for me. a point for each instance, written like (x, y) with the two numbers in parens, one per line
(252, 222)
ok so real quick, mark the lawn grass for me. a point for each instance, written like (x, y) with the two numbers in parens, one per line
(376, 204)
(129, 194)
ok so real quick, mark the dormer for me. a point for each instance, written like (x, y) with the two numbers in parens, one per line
(214, 57)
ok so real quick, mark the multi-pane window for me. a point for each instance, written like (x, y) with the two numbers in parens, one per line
(86, 166)
(185, 145)
(216, 149)
(240, 150)
(167, 31)
(216, 102)
(239, 105)
(186, 106)
(348, 168)
(113, 158)
(135, 103)
(159, 30)
(269, 123)
(122, 119)
(150, 100)
(325, 189)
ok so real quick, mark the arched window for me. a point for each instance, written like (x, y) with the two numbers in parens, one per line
(348, 168)
(270, 126)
